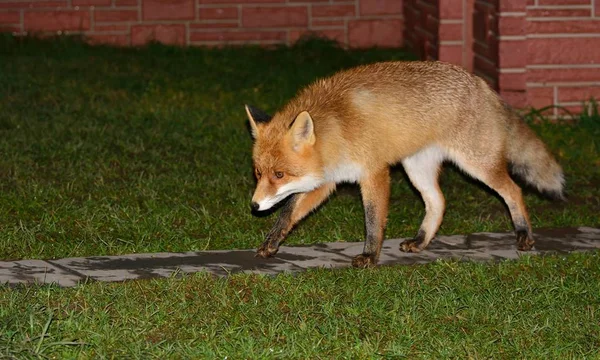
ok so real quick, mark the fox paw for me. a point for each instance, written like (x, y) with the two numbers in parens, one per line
(524, 241)
(410, 246)
(364, 261)
(265, 251)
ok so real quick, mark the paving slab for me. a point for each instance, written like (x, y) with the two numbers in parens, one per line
(36, 272)
(474, 247)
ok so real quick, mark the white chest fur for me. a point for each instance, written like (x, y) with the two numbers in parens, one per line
(345, 172)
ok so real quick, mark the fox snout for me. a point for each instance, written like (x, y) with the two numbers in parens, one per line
(265, 196)
(262, 203)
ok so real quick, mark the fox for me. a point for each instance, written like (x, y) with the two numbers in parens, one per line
(352, 126)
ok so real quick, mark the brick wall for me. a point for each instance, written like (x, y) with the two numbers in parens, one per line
(440, 30)
(563, 52)
(485, 40)
(539, 52)
(421, 25)
(534, 52)
(209, 22)
(456, 32)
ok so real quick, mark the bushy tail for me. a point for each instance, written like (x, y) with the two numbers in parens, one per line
(531, 160)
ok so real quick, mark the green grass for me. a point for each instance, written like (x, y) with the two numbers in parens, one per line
(545, 307)
(111, 151)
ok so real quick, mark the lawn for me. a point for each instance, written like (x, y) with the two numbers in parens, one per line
(111, 151)
(534, 308)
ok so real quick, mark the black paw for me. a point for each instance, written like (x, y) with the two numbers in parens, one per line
(364, 261)
(524, 241)
(411, 246)
(266, 251)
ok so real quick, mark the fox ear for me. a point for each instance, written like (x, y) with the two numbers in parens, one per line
(256, 116)
(302, 130)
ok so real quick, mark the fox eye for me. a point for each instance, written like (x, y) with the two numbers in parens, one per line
(279, 174)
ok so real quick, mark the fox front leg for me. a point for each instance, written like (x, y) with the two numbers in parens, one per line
(296, 208)
(279, 231)
(375, 190)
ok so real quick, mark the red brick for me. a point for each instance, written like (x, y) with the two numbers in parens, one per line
(451, 32)
(541, 13)
(486, 67)
(485, 50)
(214, 25)
(33, 4)
(562, 75)
(517, 99)
(218, 13)
(166, 34)
(369, 33)
(450, 9)
(380, 7)
(101, 28)
(115, 40)
(488, 79)
(333, 10)
(512, 26)
(91, 2)
(512, 6)
(582, 93)
(563, 26)
(168, 9)
(256, 17)
(597, 9)
(428, 3)
(451, 53)
(239, 2)
(431, 50)
(115, 15)
(563, 2)
(338, 35)
(126, 2)
(512, 54)
(10, 28)
(512, 81)
(10, 17)
(539, 97)
(484, 20)
(468, 45)
(423, 33)
(56, 20)
(238, 36)
(572, 51)
(318, 22)
(431, 24)
(570, 110)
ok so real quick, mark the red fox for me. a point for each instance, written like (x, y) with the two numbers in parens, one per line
(352, 126)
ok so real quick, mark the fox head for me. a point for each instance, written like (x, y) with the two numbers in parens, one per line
(284, 156)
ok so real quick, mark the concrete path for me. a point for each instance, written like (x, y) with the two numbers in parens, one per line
(476, 247)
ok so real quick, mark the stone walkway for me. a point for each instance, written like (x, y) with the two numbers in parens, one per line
(475, 247)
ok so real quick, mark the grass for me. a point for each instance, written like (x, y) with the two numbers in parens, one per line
(540, 307)
(111, 151)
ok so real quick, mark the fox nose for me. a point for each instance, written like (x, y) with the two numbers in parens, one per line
(254, 206)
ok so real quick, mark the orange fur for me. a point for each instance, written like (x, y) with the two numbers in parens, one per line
(353, 125)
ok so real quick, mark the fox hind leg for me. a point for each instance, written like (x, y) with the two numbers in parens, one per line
(495, 175)
(297, 207)
(423, 170)
(375, 191)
